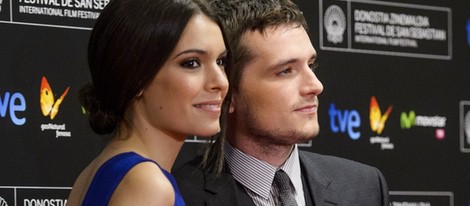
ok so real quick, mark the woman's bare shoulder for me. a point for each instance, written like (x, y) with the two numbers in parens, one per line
(80, 186)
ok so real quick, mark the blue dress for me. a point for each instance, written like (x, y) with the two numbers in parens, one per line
(111, 173)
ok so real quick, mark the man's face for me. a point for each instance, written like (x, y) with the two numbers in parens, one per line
(276, 102)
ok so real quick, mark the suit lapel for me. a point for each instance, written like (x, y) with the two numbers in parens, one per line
(221, 191)
(243, 196)
(317, 182)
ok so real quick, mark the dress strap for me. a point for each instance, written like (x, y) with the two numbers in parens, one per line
(108, 177)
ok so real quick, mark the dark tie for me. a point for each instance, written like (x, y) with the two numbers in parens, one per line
(282, 181)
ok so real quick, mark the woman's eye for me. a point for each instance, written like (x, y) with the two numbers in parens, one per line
(222, 61)
(192, 63)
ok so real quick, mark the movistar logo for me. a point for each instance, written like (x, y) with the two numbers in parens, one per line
(407, 120)
(410, 119)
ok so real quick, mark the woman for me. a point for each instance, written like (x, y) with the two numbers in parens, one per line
(158, 75)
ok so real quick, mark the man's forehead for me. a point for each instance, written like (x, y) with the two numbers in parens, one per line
(265, 32)
(275, 39)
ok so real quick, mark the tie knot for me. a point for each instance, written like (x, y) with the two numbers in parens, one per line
(282, 182)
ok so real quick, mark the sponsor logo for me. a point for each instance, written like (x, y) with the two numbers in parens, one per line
(465, 126)
(421, 198)
(410, 119)
(345, 121)
(33, 196)
(72, 14)
(50, 108)
(377, 124)
(6, 196)
(407, 120)
(13, 104)
(334, 22)
(386, 28)
(468, 33)
(3, 202)
(34, 202)
(348, 121)
(377, 119)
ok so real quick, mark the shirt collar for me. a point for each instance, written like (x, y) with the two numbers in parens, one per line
(292, 168)
(259, 177)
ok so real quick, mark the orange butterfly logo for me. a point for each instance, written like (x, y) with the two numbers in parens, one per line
(377, 120)
(49, 106)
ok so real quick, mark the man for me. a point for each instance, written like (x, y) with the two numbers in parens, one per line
(274, 105)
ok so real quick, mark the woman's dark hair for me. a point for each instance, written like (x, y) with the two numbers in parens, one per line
(130, 42)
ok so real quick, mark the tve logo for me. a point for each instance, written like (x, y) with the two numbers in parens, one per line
(13, 104)
(468, 32)
(49, 106)
(345, 121)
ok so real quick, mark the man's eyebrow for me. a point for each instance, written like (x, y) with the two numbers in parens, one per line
(287, 61)
(281, 63)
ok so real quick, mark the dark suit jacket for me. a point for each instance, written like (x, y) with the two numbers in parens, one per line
(328, 180)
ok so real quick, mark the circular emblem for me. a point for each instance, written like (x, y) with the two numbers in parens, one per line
(3, 202)
(467, 126)
(334, 22)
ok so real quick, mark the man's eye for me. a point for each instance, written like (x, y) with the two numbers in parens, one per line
(313, 66)
(192, 63)
(284, 72)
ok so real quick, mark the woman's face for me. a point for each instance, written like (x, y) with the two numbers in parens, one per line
(186, 95)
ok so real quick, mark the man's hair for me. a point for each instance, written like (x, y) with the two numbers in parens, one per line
(241, 16)
(238, 17)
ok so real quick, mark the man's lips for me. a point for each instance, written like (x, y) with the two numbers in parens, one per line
(312, 108)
